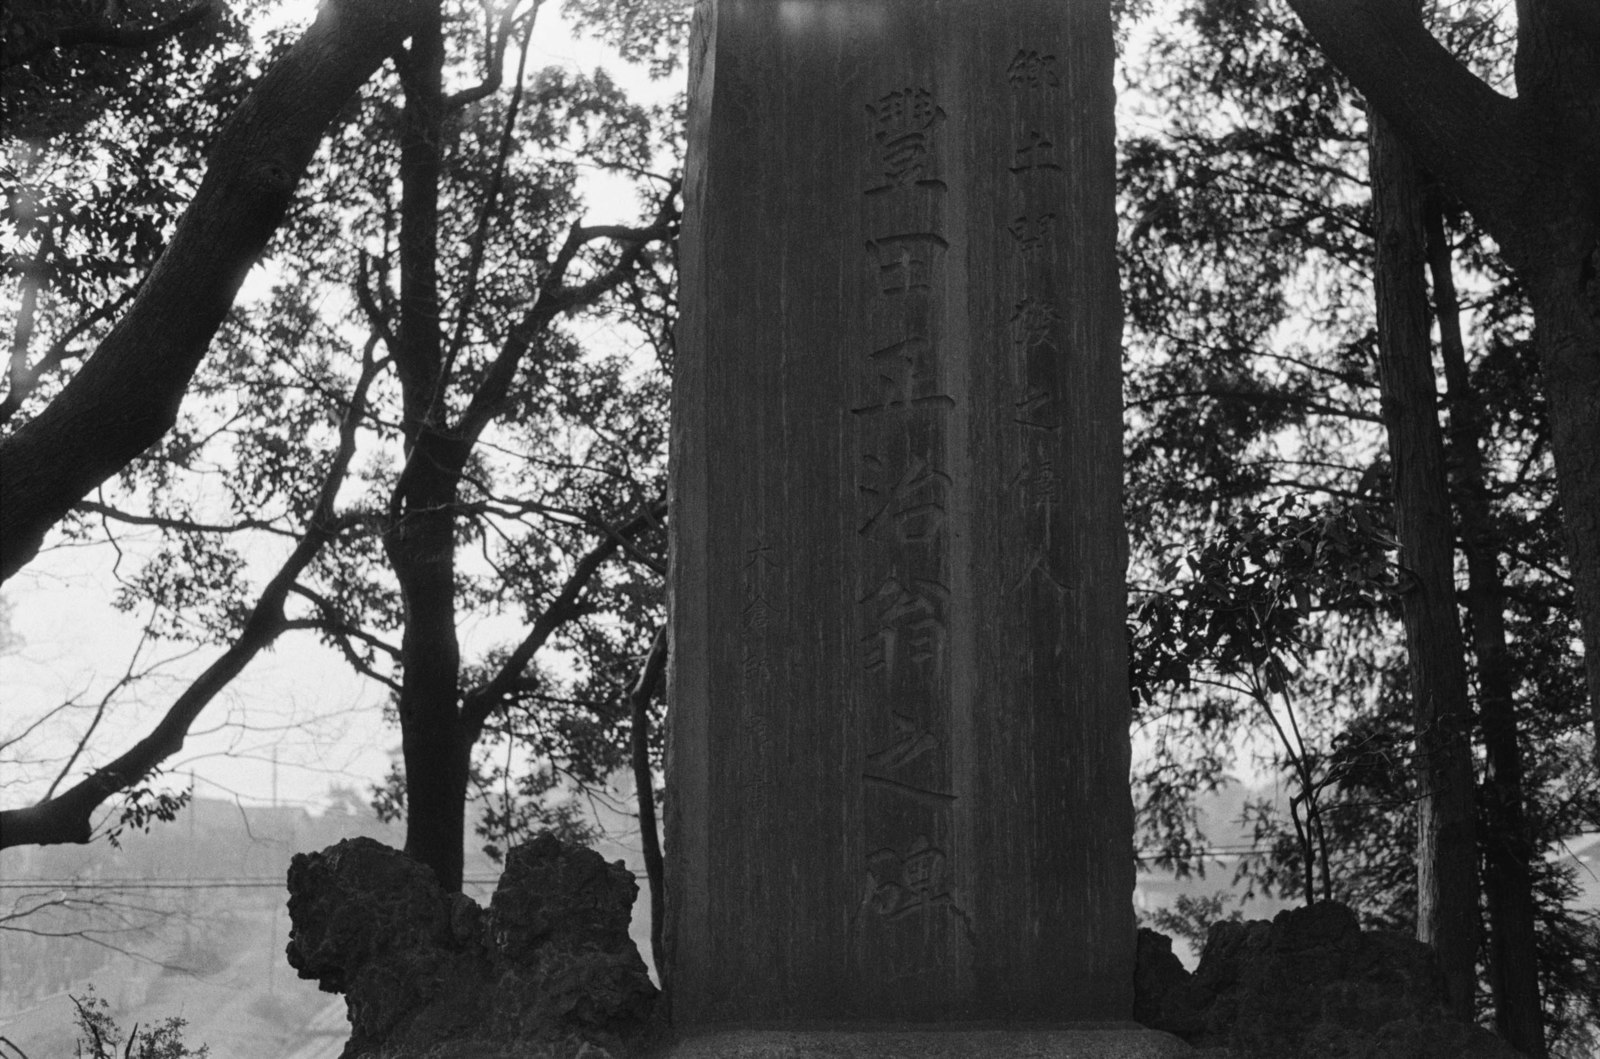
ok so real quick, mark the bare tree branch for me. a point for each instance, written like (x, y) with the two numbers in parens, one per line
(494, 58)
(477, 242)
(106, 511)
(480, 702)
(554, 299)
(66, 818)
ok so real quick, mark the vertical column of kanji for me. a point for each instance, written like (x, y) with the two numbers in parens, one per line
(1037, 340)
(1051, 420)
(909, 931)
(1048, 782)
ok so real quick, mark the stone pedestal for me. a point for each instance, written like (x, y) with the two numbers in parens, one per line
(898, 766)
(1091, 1042)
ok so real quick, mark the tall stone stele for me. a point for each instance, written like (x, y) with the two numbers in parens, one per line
(898, 766)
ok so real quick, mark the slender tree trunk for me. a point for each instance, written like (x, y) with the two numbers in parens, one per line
(1558, 72)
(1447, 857)
(1566, 327)
(1529, 170)
(420, 542)
(421, 550)
(644, 785)
(1508, 849)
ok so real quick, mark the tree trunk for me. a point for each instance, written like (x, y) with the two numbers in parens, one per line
(1447, 858)
(421, 550)
(1508, 848)
(1529, 171)
(1566, 315)
(127, 395)
(420, 541)
(644, 788)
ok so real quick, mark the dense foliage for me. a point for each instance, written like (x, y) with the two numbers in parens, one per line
(1265, 592)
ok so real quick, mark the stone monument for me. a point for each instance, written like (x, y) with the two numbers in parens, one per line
(898, 765)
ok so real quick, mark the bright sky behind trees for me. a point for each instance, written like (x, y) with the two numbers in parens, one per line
(298, 720)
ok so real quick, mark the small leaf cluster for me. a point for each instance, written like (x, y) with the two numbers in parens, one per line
(99, 1035)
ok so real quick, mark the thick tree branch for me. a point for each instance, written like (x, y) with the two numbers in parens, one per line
(1470, 136)
(127, 395)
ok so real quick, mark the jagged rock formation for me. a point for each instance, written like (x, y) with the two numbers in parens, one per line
(1310, 984)
(424, 971)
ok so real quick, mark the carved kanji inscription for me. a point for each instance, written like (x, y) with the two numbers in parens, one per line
(1032, 320)
(906, 508)
(910, 742)
(908, 624)
(1037, 151)
(906, 378)
(1039, 570)
(1032, 233)
(1038, 409)
(903, 124)
(1040, 484)
(1031, 69)
(909, 881)
(907, 262)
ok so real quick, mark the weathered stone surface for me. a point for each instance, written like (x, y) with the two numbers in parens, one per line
(550, 964)
(369, 922)
(558, 926)
(1164, 993)
(898, 746)
(1095, 1042)
(1309, 984)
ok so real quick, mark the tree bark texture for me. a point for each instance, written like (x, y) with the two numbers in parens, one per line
(441, 723)
(421, 549)
(1528, 169)
(127, 395)
(420, 541)
(1506, 843)
(1447, 856)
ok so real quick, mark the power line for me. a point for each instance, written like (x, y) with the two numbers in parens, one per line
(277, 882)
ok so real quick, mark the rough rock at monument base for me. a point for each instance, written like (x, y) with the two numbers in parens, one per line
(1310, 984)
(548, 970)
